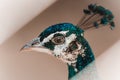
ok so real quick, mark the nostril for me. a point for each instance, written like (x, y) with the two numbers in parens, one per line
(32, 44)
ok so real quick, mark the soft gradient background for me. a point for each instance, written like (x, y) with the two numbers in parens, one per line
(38, 66)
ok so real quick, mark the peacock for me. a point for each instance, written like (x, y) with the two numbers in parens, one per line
(66, 41)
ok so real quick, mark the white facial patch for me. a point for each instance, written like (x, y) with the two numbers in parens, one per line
(68, 57)
(60, 50)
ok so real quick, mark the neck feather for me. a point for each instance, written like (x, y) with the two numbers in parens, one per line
(80, 64)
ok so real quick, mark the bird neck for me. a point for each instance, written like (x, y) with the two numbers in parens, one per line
(80, 64)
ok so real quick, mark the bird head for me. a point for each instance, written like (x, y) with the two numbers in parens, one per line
(64, 41)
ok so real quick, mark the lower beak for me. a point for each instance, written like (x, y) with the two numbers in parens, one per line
(42, 49)
(29, 45)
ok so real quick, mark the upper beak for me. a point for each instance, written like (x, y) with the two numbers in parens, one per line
(25, 47)
(32, 44)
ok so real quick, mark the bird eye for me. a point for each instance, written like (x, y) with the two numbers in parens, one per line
(60, 39)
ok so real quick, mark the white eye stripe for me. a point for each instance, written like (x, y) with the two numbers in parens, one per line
(36, 39)
(51, 36)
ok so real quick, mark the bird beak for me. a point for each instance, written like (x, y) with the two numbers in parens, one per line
(35, 45)
(32, 44)
(26, 47)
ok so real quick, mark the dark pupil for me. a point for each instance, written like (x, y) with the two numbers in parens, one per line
(58, 39)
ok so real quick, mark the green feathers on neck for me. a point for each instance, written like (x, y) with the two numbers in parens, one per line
(82, 62)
